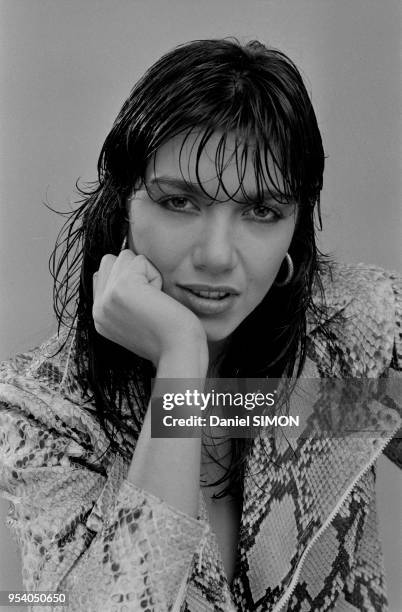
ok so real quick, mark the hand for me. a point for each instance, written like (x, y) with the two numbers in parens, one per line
(130, 309)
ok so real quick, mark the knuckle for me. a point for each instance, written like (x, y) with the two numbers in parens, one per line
(140, 259)
(108, 258)
(126, 253)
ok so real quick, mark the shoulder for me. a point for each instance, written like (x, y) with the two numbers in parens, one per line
(43, 418)
(362, 286)
(360, 320)
(347, 277)
(42, 375)
(46, 362)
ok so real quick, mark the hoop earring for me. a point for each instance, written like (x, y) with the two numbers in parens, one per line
(290, 273)
(124, 244)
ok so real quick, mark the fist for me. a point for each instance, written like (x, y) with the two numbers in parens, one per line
(130, 308)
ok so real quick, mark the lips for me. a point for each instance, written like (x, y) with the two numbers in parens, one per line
(206, 300)
(210, 291)
(212, 295)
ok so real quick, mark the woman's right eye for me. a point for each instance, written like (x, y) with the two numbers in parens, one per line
(177, 204)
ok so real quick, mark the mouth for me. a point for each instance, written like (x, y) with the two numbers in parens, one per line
(206, 300)
(217, 292)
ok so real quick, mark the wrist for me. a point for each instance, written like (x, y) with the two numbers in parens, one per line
(188, 360)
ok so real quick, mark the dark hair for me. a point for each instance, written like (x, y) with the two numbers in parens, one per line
(215, 86)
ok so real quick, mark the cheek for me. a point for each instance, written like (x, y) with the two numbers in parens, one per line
(265, 265)
(157, 245)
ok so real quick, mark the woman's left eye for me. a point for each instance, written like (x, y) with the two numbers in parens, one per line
(177, 203)
(262, 213)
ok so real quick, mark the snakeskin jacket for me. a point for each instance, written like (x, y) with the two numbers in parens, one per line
(308, 537)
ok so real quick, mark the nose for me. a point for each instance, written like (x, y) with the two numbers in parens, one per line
(215, 248)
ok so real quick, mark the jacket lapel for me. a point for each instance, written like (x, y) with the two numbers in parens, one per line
(294, 489)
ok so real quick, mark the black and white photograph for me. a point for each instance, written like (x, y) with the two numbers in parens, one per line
(201, 303)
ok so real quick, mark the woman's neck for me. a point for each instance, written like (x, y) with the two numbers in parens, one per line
(216, 350)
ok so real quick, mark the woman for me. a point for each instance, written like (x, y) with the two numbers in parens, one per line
(209, 178)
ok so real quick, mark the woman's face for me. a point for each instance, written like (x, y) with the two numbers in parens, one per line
(219, 260)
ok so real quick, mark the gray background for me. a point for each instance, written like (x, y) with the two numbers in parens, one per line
(66, 67)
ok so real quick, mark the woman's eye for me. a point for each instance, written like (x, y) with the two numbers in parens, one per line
(177, 203)
(262, 213)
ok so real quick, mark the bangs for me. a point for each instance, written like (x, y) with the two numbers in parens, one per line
(242, 148)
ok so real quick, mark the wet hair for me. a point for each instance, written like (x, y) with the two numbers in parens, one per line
(216, 87)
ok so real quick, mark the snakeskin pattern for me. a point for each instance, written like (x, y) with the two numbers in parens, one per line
(308, 537)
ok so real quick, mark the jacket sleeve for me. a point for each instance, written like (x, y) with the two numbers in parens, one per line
(90, 534)
(394, 449)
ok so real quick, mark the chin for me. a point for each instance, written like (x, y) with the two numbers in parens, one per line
(217, 337)
(217, 333)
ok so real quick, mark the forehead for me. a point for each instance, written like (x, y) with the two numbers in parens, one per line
(221, 164)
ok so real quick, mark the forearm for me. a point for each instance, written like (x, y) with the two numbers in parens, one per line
(170, 467)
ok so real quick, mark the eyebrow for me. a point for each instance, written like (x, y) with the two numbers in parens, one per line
(175, 183)
(194, 189)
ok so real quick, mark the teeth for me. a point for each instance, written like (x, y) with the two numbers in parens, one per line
(210, 294)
